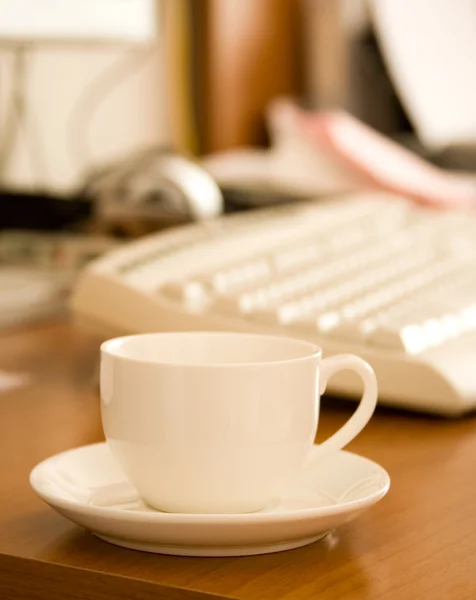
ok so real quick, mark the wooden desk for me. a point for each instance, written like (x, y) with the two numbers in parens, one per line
(418, 543)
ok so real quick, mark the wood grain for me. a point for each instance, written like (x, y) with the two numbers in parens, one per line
(419, 542)
(251, 54)
(22, 578)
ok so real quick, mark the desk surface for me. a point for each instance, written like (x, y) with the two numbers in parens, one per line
(419, 542)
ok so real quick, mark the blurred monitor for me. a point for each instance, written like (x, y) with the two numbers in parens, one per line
(430, 50)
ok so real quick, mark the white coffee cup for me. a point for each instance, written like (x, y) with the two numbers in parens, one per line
(218, 422)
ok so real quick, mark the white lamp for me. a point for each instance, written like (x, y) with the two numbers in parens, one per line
(30, 25)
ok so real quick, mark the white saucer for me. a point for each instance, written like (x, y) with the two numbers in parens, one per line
(87, 486)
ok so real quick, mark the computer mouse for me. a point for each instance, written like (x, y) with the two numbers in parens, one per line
(157, 185)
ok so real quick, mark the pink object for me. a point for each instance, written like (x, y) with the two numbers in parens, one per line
(372, 160)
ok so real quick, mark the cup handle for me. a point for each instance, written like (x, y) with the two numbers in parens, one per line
(360, 418)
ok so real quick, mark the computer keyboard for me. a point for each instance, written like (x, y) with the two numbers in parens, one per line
(371, 274)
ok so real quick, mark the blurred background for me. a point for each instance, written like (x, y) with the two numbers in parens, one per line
(94, 94)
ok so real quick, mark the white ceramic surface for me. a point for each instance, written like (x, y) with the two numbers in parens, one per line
(218, 422)
(87, 486)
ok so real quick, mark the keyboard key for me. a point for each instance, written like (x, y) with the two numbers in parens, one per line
(298, 256)
(193, 294)
(240, 276)
(423, 327)
(328, 321)
(371, 273)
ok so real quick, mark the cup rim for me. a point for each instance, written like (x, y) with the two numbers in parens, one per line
(111, 348)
